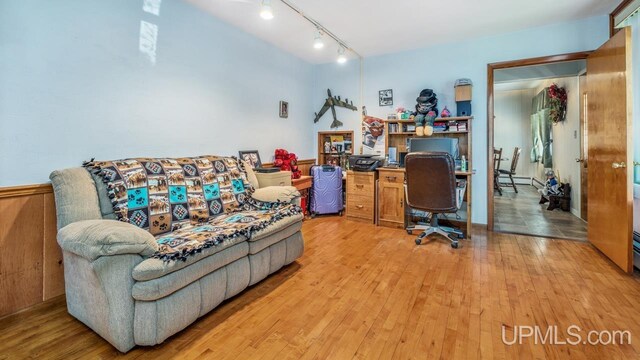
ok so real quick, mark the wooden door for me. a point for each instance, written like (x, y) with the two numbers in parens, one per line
(584, 150)
(610, 151)
(391, 197)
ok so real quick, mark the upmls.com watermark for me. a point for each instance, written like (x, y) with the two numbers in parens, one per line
(574, 335)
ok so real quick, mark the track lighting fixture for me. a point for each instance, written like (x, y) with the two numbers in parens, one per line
(317, 42)
(341, 57)
(266, 12)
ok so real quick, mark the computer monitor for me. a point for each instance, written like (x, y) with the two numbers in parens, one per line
(448, 145)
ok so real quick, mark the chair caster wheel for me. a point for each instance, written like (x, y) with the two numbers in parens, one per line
(454, 245)
(409, 231)
(418, 241)
(313, 215)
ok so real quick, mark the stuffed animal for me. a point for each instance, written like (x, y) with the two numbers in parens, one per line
(426, 112)
(551, 186)
(287, 161)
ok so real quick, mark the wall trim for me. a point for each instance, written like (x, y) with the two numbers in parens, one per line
(612, 16)
(25, 190)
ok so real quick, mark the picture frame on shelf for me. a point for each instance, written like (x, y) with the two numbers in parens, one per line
(284, 109)
(385, 97)
(252, 157)
(393, 155)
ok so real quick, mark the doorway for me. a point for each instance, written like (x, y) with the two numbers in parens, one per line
(536, 186)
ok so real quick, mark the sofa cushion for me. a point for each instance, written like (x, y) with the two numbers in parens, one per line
(162, 286)
(283, 232)
(251, 175)
(276, 194)
(76, 197)
(154, 268)
(278, 226)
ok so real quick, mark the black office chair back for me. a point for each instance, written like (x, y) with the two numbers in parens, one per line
(431, 182)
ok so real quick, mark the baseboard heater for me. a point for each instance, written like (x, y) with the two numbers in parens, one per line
(524, 180)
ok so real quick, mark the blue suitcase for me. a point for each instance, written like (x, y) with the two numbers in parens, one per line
(326, 192)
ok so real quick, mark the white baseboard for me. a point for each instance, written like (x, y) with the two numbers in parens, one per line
(576, 213)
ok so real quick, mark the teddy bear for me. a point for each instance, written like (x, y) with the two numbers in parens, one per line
(287, 161)
(426, 112)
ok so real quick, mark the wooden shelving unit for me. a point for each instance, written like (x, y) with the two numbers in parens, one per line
(339, 152)
(398, 139)
(388, 193)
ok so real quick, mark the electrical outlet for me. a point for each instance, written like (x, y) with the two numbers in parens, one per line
(575, 134)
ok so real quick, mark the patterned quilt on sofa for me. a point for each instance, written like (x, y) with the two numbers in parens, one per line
(165, 195)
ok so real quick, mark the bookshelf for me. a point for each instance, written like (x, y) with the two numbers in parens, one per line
(339, 145)
(398, 133)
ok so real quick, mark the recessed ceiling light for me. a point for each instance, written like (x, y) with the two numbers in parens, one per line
(266, 12)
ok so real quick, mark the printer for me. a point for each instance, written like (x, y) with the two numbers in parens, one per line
(365, 162)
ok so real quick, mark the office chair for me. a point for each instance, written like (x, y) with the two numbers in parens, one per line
(512, 170)
(431, 187)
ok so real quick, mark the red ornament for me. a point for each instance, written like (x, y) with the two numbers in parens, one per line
(287, 161)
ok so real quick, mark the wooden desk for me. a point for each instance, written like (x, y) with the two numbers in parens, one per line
(303, 185)
(391, 201)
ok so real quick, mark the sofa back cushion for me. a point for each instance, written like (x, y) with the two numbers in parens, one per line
(163, 194)
(76, 196)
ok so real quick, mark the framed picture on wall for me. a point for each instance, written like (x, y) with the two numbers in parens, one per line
(252, 157)
(385, 97)
(284, 109)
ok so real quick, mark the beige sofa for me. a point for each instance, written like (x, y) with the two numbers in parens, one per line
(129, 298)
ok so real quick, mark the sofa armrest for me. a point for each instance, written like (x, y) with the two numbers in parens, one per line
(92, 239)
(286, 194)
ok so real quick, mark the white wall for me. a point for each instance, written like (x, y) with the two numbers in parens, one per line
(566, 140)
(74, 85)
(512, 128)
(438, 67)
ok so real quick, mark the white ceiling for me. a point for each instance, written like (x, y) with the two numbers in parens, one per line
(374, 27)
(531, 77)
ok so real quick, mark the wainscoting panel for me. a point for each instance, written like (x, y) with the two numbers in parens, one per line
(29, 253)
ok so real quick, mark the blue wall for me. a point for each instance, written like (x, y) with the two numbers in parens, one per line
(74, 85)
(438, 67)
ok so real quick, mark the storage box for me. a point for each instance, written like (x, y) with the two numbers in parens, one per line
(464, 108)
(280, 178)
(463, 93)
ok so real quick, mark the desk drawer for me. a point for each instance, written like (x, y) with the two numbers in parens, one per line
(360, 206)
(355, 188)
(394, 177)
(360, 183)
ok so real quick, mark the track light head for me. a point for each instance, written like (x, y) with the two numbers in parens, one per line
(266, 12)
(317, 41)
(341, 57)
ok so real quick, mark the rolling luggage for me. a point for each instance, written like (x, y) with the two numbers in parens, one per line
(326, 192)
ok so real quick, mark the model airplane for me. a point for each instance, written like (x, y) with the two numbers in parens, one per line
(332, 102)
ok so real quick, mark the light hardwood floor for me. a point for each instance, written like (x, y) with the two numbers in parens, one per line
(366, 292)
